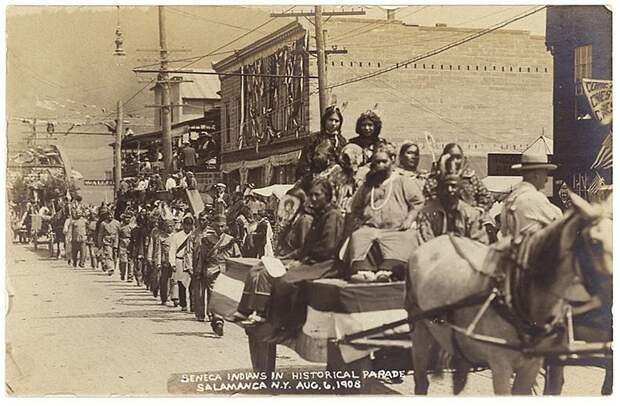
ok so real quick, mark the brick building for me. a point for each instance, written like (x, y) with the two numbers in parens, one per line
(492, 94)
(579, 37)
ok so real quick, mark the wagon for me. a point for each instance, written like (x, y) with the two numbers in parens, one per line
(365, 326)
(335, 308)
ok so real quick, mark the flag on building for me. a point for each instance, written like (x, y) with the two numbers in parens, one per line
(599, 96)
(595, 187)
(604, 159)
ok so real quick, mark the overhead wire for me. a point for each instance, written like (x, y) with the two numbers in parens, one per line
(196, 59)
(439, 50)
(192, 15)
(436, 39)
(373, 25)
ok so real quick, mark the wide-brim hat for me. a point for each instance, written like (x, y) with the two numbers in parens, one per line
(533, 161)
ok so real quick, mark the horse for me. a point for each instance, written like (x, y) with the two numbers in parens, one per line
(530, 306)
(592, 322)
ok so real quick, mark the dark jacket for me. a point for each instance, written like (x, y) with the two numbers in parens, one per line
(304, 166)
(322, 240)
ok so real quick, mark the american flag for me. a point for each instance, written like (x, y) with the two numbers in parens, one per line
(595, 187)
(604, 159)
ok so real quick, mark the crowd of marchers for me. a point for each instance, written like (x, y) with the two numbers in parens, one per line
(357, 211)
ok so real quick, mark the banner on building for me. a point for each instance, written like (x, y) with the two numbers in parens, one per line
(599, 96)
(98, 182)
(272, 107)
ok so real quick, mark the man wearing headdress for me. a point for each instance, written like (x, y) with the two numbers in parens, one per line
(78, 237)
(383, 211)
(448, 213)
(107, 238)
(150, 280)
(161, 259)
(216, 245)
(181, 273)
(471, 188)
(124, 239)
(138, 247)
(192, 251)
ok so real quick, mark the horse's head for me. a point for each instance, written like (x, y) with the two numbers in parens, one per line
(593, 246)
(573, 262)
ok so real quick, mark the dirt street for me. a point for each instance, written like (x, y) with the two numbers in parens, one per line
(80, 332)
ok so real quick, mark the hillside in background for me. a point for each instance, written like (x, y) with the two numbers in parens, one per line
(60, 66)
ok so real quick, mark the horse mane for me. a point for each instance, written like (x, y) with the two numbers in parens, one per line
(547, 243)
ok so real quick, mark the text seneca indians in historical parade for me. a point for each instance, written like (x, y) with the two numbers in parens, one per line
(308, 200)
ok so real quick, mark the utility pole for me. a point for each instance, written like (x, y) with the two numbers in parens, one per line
(320, 53)
(117, 146)
(164, 82)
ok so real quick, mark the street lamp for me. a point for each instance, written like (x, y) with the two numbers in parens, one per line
(119, 52)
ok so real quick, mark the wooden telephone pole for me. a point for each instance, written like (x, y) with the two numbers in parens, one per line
(164, 81)
(117, 146)
(321, 53)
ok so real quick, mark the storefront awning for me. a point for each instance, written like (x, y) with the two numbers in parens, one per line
(274, 190)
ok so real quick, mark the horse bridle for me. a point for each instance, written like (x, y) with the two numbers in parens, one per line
(515, 311)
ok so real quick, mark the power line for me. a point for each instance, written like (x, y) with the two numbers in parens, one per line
(200, 57)
(421, 106)
(195, 59)
(438, 50)
(436, 39)
(373, 26)
(191, 15)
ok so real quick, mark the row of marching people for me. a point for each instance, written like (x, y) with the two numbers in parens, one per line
(176, 256)
(358, 211)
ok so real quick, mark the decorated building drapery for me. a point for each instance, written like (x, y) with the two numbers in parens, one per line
(598, 93)
(272, 107)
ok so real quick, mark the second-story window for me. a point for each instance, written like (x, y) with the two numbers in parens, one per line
(583, 70)
(583, 65)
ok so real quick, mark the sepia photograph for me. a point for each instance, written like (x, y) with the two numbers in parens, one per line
(370, 199)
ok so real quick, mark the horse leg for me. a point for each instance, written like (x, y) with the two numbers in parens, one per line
(554, 379)
(526, 377)
(502, 372)
(422, 348)
(608, 383)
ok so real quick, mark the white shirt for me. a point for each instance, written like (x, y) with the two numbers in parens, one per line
(526, 209)
(176, 240)
(170, 184)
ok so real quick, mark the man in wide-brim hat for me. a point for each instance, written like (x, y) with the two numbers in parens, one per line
(527, 209)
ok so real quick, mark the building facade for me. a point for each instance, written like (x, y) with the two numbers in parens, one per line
(191, 96)
(580, 40)
(491, 94)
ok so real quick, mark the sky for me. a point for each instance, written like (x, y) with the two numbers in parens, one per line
(60, 63)
(56, 51)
